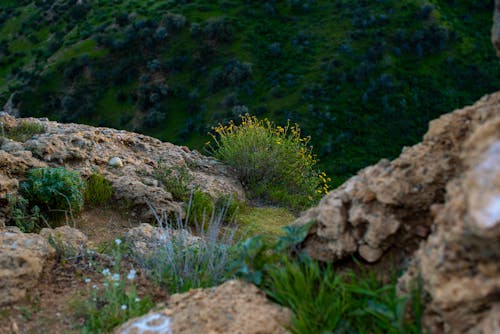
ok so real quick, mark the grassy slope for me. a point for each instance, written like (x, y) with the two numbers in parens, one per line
(363, 78)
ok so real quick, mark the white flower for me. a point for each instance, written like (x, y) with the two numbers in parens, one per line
(105, 284)
(87, 280)
(124, 307)
(115, 277)
(131, 275)
(116, 284)
(106, 272)
(118, 242)
(94, 286)
(137, 299)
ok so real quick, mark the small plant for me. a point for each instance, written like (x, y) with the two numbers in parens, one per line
(274, 163)
(184, 261)
(28, 219)
(114, 301)
(53, 190)
(98, 190)
(175, 180)
(24, 131)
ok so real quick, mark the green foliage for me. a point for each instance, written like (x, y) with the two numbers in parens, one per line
(114, 301)
(185, 262)
(176, 180)
(200, 208)
(24, 131)
(27, 218)
(53, 190)
(322, 299)
(274, 163)
(98, 190)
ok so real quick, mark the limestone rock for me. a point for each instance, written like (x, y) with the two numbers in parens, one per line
(67, 239)
(23, 258)
(234, 307)
(387, 206)
(89, 149)
(146, 240)
(460, 262)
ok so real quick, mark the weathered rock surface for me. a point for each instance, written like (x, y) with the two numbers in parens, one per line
(67, 239)
(146, 240)
(23, 258)
(126, 159)
(460, 262)
(388, 205)
(234, 307)
(495, 31)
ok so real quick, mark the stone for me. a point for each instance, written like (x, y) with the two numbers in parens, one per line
(88, 149)
(115, 162)
(233, 307)
(23, 259)
(459, 262)
(387, 207)
(65, 238)
(146, 240)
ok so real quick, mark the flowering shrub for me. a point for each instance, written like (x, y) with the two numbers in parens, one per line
(275, 163)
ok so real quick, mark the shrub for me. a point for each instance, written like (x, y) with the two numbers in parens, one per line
(274, 163)
(24, 131)
(184, 263)
(98, 190)
(175, 180)
(53, 190)
(218, 29)
(27, 218)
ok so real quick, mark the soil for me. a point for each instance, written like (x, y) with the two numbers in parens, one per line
(51, 307)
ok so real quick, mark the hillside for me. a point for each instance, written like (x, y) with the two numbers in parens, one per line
(363, 78)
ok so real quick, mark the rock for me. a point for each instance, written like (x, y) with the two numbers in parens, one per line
(66, 239)
(89, 149)
(495, 31)
(460, 262)
(234, 307)
(115, 162)
(388, 205)
(145, 240)
(23, 259)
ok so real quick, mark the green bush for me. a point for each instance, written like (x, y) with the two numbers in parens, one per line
(274, 163)
(53, 190)
(175, 180)
(98, 190)
(24, 131)
(28, 219)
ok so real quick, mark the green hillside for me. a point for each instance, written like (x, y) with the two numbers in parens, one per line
(362, 77)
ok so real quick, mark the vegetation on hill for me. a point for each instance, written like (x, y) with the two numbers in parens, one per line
(361, 77)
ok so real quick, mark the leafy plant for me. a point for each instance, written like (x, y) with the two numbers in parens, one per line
(274, 163)
(28, 219)
(24, 130)
(53, 190)
(98, 190)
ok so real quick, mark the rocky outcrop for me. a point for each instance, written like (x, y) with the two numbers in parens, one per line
(459, 264)
(23, 259)
(126, 159)
(234, 307)
(495, 33)
(388, 206)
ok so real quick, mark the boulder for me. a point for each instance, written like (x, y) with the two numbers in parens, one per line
(459, 264)
(66, 239)
(387, 207)
(126, 159)
(23, 259)
(234, 307)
